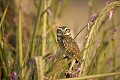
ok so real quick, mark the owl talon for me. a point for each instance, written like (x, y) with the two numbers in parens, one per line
(68, 73)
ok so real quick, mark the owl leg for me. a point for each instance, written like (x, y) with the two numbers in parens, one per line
(68, 73)
(72, 64)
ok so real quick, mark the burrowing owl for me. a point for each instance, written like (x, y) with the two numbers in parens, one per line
(67, 43)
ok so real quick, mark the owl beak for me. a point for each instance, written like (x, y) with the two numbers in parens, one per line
(63, 33)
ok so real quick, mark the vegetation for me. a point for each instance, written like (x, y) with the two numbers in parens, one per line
(28, 44)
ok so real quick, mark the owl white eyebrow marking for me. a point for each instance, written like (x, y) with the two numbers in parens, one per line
(63, 28)
(66, 28)
(60, 28)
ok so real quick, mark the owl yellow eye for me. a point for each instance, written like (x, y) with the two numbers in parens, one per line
(59, 31)
(67, 31)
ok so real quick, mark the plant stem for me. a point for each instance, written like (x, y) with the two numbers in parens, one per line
(40, 67)
(44, 30)
(115, 58)
(93, 76)
(94, 29)
(32, 46)
(20, 54)
(4, 14)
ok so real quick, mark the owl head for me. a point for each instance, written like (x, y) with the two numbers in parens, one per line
(63, 31)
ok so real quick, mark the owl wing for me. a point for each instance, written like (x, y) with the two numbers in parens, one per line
(71, 46)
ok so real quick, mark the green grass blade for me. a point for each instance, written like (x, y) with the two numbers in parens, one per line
(44, 30)
(39, 67)
(19, 37)
(32, 45)
(3, 17)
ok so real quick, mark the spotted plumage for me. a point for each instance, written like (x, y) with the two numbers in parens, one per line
(66, 42)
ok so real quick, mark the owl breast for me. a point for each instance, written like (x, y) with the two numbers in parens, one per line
(69, 45)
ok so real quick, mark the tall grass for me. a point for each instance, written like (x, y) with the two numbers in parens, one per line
(37, 58)
(19, 38)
